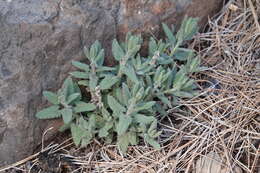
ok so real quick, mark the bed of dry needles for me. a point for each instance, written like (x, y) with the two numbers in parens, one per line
(216, 132)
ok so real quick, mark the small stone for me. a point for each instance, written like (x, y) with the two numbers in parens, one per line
(213, 163)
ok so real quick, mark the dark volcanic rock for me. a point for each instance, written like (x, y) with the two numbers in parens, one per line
(39, 38)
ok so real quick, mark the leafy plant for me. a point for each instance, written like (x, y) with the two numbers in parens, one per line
(123, 101)
(66, 103)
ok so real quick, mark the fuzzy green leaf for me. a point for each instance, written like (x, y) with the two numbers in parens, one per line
(123, 124)
(84, 107)
(169, 33)
(92, 121)
(79, 75)
(147, 91)
(117, 92)
(86, 139)
(148, 80)
(81, 65)
(165, 100)
(135, 89)
(153, 126)
(100, 57)
(49, 113)
(117, 51)
(108, 82)
(77, 133)
(188, 28)
(162, 47)
(179, 78)
(83, 82)
(159, 108)
(66, 115)
(132, 137)
(143, 119)
(182, 54)
(193, 65)
(103, 132)
(94, 50)
(183, 94)
(86, 52)
(133, 42)
(191, 28)
(126, 95)
(115, 105)
(93, 82)
(140, 94)
(68, 87)
(157, 73)
(152, 142)
(188, 85)
(84, 124)
(130, 73)
(104, 68)
(51, 97)
(77, 89)
(132, 52)
(144, 106)
(155, 133)
(105, 114)
(123, 142)
(152, 46)
(73, 97)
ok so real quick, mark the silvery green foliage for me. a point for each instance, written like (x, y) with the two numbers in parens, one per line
(122, 101)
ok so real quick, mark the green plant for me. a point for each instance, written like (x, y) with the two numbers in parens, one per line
(123, 100)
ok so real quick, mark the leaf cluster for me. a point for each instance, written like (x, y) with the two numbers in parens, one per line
(125, 99)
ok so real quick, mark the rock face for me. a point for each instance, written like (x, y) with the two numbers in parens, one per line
(38, 40)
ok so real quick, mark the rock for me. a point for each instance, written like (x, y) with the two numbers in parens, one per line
(38, 40)
(213, 163)
(209, 163)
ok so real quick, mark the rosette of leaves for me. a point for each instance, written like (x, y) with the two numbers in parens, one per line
(68, 104)
(167, 68)
(129, 95)
(95, 74)
(124, 53)
(95, 77)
